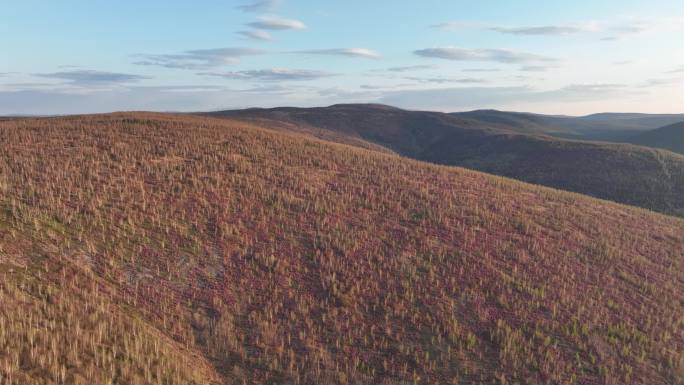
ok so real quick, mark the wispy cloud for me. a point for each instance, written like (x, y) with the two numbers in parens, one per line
(482, 55)
(418, 67)
(660, 82)
(189, 97)
(274, 74)
(627, 28)
(678, 70)
(256, 35)
(259, 6)
(372, 87)
(341, 95)
(549, 30)
(452, 25)
(182, 88)
(273, 89)
(199, 59)
(535, 68)
(612, 29)
(642, 25)
(481, 70)
(591, 89)
(276, 23)
(91, 77)
(445, 80)
(350, 52)
(552, 29)
(453, 99)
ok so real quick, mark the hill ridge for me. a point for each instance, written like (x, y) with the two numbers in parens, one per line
(619, 172)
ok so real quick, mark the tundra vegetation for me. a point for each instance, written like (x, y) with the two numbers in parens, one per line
(141, 248)
(520, 147)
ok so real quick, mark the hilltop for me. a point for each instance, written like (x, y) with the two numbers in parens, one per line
(156, 248)
(624, 173)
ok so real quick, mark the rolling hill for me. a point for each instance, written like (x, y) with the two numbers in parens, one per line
(155, 248)
(522, 122)
(610, 127)
(623, 173)
(670, 138)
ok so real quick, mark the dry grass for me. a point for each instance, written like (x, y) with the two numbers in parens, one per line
(287, 260)
(74, 335)
(637, 176)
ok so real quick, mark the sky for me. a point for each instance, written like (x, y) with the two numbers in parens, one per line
(555, 57)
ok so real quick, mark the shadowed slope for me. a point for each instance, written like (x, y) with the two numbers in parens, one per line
(669, 138)
(623, 173)
(288, 260)
(611, 127)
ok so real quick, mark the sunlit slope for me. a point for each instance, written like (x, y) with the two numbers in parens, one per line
(507, 146)
(287, 260)
(62, 330)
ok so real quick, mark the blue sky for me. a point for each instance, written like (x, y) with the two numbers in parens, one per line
(569, 57)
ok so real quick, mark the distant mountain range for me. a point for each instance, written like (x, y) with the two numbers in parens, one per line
(528, 147)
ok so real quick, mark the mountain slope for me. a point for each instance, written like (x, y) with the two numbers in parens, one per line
(623, 173)
(67, 332)
(610, 127)
(282, 259)
(524, 123)
(669, 138)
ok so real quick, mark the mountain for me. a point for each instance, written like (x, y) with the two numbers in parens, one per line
(670, 138)
(611, 127)
(623, 173)
(156, 248)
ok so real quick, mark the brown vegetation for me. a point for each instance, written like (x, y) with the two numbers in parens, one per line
(150, 248)
(512, 146)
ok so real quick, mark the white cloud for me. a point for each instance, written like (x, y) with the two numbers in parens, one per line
(276, 23)
(274, 74)
(445, 80)
(641, 25)
(549, 30)
(256, 35)
(198, 59)
(481, 70)
(259, 6)
(612, 29)
(351, 52)
(454, 99)
(453, 26)
(650, 83)
(481, 55)
(91, 77)
(535, 68)
(418, 67)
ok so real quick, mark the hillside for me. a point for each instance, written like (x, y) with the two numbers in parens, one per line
(610, 127)
(151, 248)
(670, 138)
(628, 174)
(525, 123)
